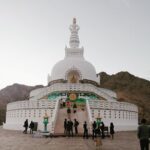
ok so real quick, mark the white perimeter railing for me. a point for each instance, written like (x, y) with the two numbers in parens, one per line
(54, 118)
(89, 114)
(88, 111)
(124, 115)
(106, 105)
(21, 105)
(63, 87)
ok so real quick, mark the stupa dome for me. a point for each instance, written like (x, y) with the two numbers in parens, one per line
(83, 68)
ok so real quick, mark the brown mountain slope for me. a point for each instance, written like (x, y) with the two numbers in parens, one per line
(12, 93)
(130, 89)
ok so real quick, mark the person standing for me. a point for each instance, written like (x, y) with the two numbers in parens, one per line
(98, 132)
(31, 126)
(76, 123)
(74, 108)
(143, 134)
(25, 126)
(112, 130)
(71, 127)
(68, 128)
(61, 103)
(102, 129)
(94, 129)
(69, 112)
(64, 103)
(65, 126)
(85, 134)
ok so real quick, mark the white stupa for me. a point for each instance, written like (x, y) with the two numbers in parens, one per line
(73, 79)
(74, 62)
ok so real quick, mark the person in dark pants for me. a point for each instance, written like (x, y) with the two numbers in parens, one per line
(102, 129)
(61, 103)
(31, 126)
(74, 108)
(143, 134)
(71, 127)
(94, 129)
(65, 126)
(85, 134)
(112, 130)
(64, 103)
(25, 126)
(68, 128)
(98, 132)
(76, 123)
(69, 113)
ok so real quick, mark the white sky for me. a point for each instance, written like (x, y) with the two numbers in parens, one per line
(33, 33)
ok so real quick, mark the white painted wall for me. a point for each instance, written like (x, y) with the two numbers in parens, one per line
(18, 112)
(123, 115)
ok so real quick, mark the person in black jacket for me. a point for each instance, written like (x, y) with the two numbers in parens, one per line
(71, 127)
(74, 108)
(98, 132)
(112, 130)
(94, 129)
(65, 126)
(69, 112)
(25, 126)
(143, 134)
(76, 123)
(85, 134)
(68, 128)
(31, 126)
(102, 129)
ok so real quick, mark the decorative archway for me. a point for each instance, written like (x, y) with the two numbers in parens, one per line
(73, 75)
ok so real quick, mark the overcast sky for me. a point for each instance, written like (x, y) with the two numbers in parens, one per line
(115, 35)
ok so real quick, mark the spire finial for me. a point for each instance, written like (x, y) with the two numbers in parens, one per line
(74, 20)
(74, 39)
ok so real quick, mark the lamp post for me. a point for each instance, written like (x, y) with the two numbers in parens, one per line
(45, 122)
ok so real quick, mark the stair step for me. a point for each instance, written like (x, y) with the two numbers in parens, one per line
(80, 115)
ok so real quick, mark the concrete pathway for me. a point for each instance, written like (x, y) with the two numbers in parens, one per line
(16, 140)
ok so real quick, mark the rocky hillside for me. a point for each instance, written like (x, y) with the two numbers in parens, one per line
(12, 93)
(129, 89)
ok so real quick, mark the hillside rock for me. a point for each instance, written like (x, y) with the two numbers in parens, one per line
(15, 92)
(129, 89)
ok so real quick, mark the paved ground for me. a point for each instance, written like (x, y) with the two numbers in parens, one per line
(16, 140)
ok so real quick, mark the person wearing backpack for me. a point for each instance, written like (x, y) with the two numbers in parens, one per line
(143, 134)
(31, 126)
(76, 123)
(25, 126)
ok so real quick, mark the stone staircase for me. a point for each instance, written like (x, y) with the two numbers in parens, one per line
(80, 115)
